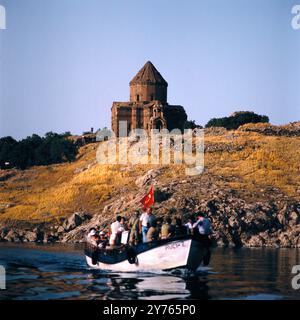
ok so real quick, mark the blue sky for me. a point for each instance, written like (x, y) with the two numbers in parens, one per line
(63, 62)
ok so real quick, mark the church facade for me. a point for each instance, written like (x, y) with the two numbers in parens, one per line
(148, 107)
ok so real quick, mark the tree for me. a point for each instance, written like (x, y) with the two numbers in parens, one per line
(36, 150)
(237, 119)
(7, 145)
(191, 124)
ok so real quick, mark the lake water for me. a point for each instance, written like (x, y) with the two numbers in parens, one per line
(38, 272)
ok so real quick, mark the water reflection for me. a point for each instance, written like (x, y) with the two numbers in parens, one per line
(60, 272)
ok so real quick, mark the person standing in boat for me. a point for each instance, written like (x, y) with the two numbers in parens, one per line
(116, 229)
(144, 220)
(124, 227)
(134, 224)
(152, 217)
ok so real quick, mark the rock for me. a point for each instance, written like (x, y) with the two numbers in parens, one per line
(85, 167)
(290, 130)
(294, 218)
(255, 241)
(49, 238)
(219, 239)
(3, 232)
(297, 242)
(232, 222)
(284, 240)
(7, 175)
(13, 236)
(281, 217)
(60, 229)
(30, 236)
(39, 234)
(215, 131)
(75, 220)
(148, 177)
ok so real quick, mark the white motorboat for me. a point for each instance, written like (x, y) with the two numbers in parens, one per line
(183, 252)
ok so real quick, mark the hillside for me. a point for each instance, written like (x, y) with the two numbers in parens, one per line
(252, 169)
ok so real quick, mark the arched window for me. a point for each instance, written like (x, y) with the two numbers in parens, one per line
(158, 124)
(137, 97)
(151, 97)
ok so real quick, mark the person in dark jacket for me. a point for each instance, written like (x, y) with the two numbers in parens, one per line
(180, 230)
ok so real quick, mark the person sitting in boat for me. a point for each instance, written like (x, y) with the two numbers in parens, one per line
(202, 228)
(159, 222)
(93, 237)
(134, 225)
(152, 234)
(180, 230)
(91, 232)
(116, 229)
(189, 224)
(166, 229)
(102, 242)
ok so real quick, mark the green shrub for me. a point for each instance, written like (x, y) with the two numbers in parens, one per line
(237, 119)
(36, 150)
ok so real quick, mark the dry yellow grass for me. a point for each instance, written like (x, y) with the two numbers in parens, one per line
(267, 161)
(49, 193)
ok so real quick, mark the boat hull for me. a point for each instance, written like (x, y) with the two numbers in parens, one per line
(184, 253)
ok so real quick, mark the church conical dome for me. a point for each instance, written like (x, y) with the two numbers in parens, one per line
(148, 85)
(148, 75)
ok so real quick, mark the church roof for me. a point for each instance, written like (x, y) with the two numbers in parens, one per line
(148, 75)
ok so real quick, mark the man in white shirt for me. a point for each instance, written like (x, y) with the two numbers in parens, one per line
(144, 220)
(189, 225)
(116, 228)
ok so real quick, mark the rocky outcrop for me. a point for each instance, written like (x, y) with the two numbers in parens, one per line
(43, 233)
(290, 130)
(148, 178)
(7, 174)
(240, 217)
(223, 147)
(215, 131)
(236, 222)
(75, 220)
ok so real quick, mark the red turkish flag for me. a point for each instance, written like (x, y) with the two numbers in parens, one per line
(148, 200)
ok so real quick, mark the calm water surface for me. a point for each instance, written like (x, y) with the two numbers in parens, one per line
(38, 272)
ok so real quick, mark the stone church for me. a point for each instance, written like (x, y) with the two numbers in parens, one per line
(148, 107)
